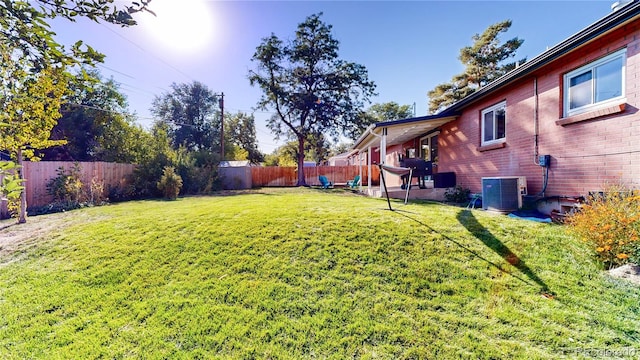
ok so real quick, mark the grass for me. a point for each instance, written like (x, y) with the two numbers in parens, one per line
(305, 273)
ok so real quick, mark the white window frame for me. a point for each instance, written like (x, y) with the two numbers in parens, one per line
(620, 54)
(430, 144)
(493, 108)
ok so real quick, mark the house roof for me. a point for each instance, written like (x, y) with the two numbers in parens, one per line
(612, 21)
(400, 131)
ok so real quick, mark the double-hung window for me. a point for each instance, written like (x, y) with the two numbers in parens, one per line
(598, 83)
(494, 124)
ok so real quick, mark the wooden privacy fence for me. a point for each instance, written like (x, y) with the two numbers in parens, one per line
(38, 174)
(287, 176)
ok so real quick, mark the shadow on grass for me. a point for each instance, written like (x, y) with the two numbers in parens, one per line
(483, 234)
(470, 222)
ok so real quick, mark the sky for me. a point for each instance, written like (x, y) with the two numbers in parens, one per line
(408, 47)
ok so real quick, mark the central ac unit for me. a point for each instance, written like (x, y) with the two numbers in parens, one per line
(503, 194)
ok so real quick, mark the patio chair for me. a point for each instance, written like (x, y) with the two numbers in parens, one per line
(326, 184)
(355, 182)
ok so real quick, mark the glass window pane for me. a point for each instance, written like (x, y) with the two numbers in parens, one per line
(609, 80)
(580, 90)
(500, 123)
(434, 148)
(488, 126)
(424, 148)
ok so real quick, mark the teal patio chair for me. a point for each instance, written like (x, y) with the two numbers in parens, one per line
(354, 183)
(326, 184)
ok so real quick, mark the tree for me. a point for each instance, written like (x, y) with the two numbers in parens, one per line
(340, 148)
(484, 63)
(379, 113)
(24, 27)
(95, 124)
(33, 71)
(30, 103)
(308, 87)
(285, 155)
(240, 129)
(191, 113)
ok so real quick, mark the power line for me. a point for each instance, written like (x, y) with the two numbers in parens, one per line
(148, 53)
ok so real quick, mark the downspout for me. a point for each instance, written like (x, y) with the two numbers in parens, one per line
(535, 121)
(536, 130)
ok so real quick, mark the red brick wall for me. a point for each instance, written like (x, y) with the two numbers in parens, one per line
(585, 155)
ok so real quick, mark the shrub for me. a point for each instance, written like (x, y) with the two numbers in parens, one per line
(69, 192)
(170, 183)
(610, 223)
(457, 194)
(66, 187)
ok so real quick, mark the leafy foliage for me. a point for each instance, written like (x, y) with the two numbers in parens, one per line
(191, 115)
(240, 131)
(610, 223)
(310, 89)
(379, 113)
(30, 103)
(484, 63)
(170, 183)
(11, 184)
(457, 194)
(149, 171)
(69, 191)
(24, 27)
(95, 124)
(198, 170)
(316, 148)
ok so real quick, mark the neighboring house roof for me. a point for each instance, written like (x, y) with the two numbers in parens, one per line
(400, 131)
(235, 163)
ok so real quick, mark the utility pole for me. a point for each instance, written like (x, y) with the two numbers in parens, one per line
(221, 103)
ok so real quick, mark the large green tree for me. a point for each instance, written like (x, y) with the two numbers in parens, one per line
(240, 131)
(381, 112)
(34, 77)
(310, 90)
(484, 61)
(192, 115)
(95, 124)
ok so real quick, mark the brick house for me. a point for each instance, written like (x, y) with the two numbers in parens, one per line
(577, 103)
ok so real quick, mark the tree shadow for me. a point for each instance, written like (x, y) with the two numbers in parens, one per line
(466, 218)
(494, 244)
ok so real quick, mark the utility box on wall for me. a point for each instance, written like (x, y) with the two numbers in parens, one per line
(503, 194)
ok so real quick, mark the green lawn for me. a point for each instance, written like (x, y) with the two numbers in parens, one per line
(306, 273)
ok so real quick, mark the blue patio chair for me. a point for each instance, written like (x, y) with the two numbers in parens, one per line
(354, 183)
(326, 184)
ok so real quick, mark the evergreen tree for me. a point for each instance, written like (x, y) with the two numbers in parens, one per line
(484, 62)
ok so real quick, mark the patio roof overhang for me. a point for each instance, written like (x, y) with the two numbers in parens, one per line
(400, 131)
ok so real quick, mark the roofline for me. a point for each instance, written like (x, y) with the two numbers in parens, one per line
(382, 124)
(600, 27)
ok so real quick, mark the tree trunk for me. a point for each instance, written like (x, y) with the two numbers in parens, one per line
(22, 218)
(301, 179)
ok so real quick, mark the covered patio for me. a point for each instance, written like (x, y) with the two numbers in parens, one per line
(386, 142)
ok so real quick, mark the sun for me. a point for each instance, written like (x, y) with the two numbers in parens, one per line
(180, 26)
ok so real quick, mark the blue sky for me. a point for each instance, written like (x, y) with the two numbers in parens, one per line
(408, 47)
